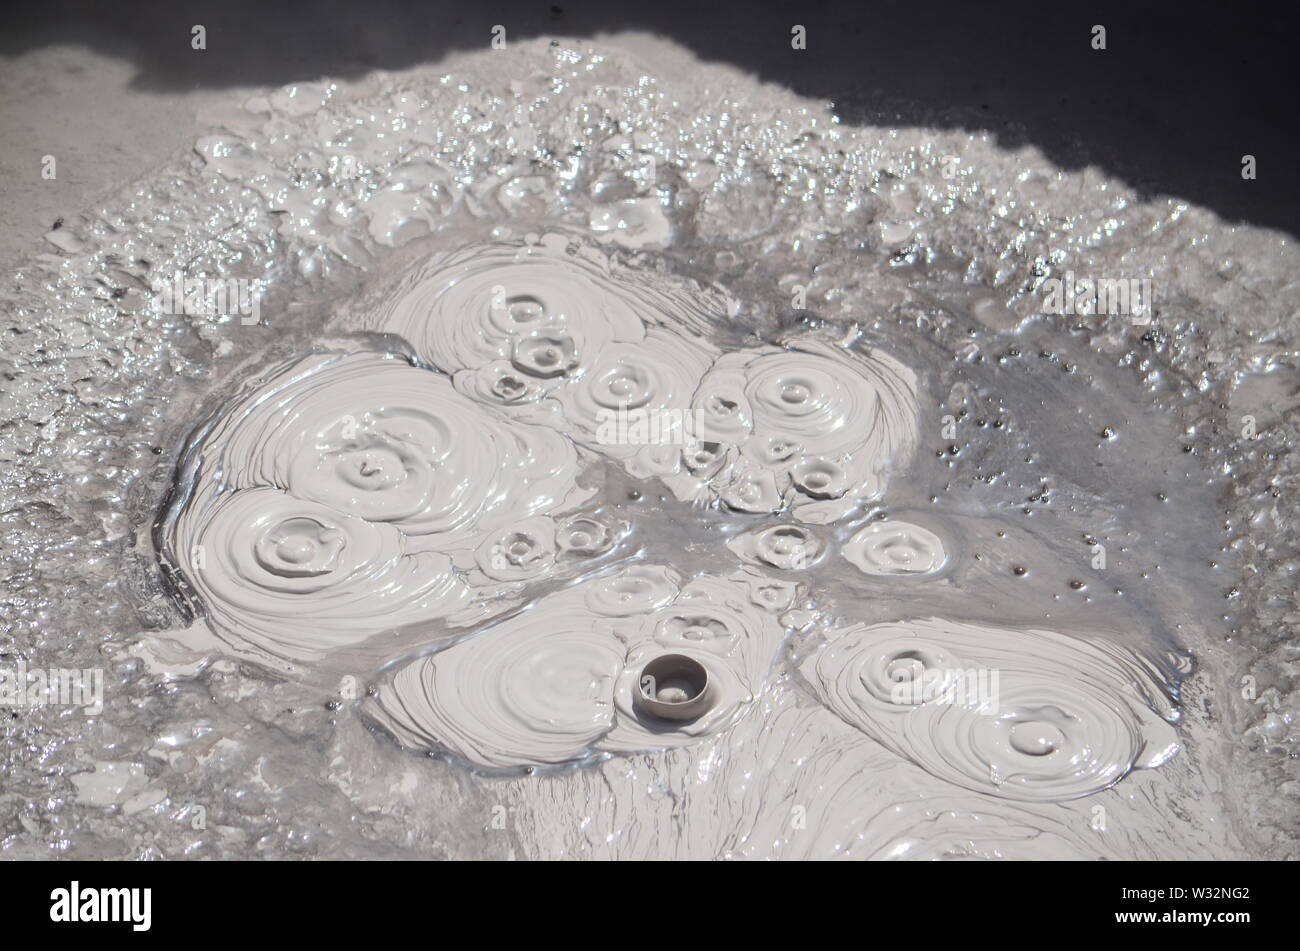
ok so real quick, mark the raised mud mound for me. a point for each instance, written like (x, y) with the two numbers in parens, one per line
(562, 365)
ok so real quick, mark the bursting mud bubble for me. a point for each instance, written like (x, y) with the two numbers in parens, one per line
(579, 461)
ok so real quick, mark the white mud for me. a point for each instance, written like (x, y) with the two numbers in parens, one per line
(425, 503)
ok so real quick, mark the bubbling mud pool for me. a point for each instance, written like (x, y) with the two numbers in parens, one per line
(629, 470)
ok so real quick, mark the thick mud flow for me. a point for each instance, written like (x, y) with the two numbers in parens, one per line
(542, 455)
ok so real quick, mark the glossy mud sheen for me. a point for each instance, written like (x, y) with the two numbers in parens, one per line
(430, 586)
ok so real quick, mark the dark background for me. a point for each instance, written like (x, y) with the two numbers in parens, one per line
(1179, 95)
